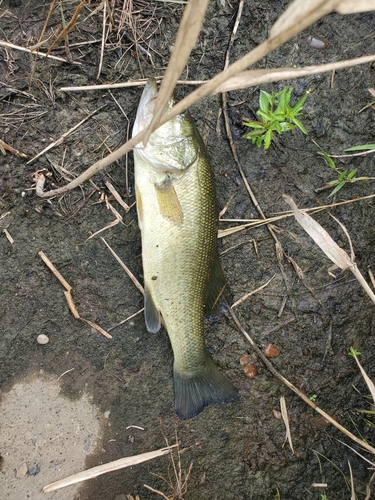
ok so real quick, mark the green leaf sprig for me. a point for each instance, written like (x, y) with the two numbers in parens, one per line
(275, 115)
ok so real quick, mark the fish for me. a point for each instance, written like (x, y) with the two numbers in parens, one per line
(183, 277)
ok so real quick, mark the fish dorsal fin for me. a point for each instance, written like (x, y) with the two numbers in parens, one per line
(169, 204)
(152, 315)
(217, 285)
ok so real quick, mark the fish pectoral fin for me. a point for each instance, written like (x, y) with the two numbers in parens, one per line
(217, 286)
(152, 315)
(168, 201)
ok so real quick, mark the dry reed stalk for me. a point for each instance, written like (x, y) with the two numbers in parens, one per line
(105, 468)
(68, 28)
(247, 295)
(130, 83)
(68, 295)
(39, 54)
(260, 222)
(190, 26)
(64, 136)
(125, 268)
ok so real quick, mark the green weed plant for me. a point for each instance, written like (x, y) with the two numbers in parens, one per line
(275, 115)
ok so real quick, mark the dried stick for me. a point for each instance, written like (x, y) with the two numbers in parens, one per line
(109, 467)
(64, 136)
(131, 83)
(68, 295)
(246, 296)
(125, 268)
(39, 54)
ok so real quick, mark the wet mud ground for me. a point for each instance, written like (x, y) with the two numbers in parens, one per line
(237, 450)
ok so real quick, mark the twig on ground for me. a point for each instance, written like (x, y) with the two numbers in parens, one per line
(246, 296)
(116, 195)
(8, 236)
(64, 136)
(105, 468)
(131, 83)
(4, 146)
(68, 295)
(33, 52)
(117, 220)
(125, 268)
(125, 320)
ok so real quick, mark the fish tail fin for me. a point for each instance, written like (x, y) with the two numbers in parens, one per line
(195, 391)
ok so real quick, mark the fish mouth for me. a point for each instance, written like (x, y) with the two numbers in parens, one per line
(146, 106)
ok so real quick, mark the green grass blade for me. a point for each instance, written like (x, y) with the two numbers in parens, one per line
(337, 188)
(361, 147)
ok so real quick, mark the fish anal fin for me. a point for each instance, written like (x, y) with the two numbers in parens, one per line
(152, 315)
(217, 286)
(169, 204)
(194, 391)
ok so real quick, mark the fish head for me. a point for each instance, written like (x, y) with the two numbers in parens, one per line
(174, 146)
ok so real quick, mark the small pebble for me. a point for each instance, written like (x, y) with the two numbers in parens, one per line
(271, 351)
(316, 43)
(250, 371)
(245, 360)
(42, 339)
(277, 414)
(21, 471)
(33, 471)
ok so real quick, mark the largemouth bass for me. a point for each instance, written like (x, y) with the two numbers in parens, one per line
(177, 216)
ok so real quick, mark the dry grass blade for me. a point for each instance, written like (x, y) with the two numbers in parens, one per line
(68, 27)
(369, 382)
(284, 414)
(54, 271)
(125, 268)
(247, 295)
(259, 76)
(126, 319)
(368, 487)
(130, 83)
(269, 220)
(103, 469)
(117, 220)
(336, 254)
(39, 54)
(357, 453)
(64, 136)
(352, 491)
(187, 35)
(117, 196)
(68, 295)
